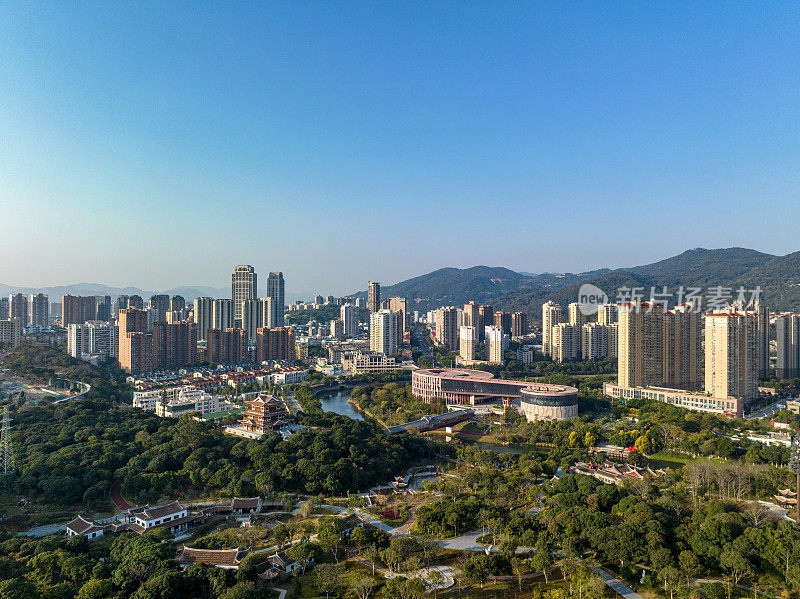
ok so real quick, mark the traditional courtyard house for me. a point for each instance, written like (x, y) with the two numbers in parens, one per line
(82, 527)
(283, 564)
(227, 559)
(246, 505)
(172, 516)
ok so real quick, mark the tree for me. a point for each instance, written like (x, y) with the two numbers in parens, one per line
(359, 536)
(670, 576)
(644, 445)
(434, 580)
(362, 588)
(518, 567)
(737, 564)
(329, 535)
(328, 578)
(689, 564)
(242, 590)
(96, 589)
(544, 560)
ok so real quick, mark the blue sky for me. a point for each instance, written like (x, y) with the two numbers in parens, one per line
(159, 144)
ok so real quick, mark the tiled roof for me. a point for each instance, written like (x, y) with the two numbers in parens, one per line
(81, 525)
(251, 503)
(153, 513)
(213, 557)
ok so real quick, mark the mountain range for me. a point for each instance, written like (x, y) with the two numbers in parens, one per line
(778, 277)
(505, 289)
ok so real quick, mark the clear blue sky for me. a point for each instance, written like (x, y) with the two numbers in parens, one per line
(158, 144)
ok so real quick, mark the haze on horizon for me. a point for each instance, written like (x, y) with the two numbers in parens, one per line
(158, 145)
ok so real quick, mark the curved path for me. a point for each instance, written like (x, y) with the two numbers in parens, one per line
(117, 498)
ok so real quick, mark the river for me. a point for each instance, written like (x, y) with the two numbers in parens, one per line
(339, 404)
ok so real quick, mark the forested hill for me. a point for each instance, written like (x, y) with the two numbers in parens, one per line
(458, 285)
(778, 276)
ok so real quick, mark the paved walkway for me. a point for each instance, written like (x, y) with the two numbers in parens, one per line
(465, 542)
(38, 532)
(281, 592)
(615, 584)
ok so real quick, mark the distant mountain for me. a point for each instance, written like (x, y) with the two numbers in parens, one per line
(701, 267)
(779, 279)
(778, 276)
(455, 286)
(55, 293)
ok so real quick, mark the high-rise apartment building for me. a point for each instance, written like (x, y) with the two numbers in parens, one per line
(102, 307)
(607, 314)
(337, 329)
(159, 303)
(40, 310)
(135, 343)
(731, 360)
(467, 343)
(10, 331)
(244, 284)
(496, 343)
(18, 303)
(93, 338)
(447, 328)
(503, 320)
(121, 303)
(594, 341)
(640, 344)
(5, 310)
(176, 303)
(576, 315)
(348, 314)
(222, 314)
(174, 345)
(250, 315)
(373, 296)
(759, 309)
(276, 290)
(683, 353)
(136, 302)
(203, 316)
(399, 305)
(77, 309)
(519, 324)
(265, 313)
(551, 316)
(486, 318)
(787, 336)
(471, 317)
(226, 347)
(565, 342)
(383, 332)
(613, 336)
(275, 344)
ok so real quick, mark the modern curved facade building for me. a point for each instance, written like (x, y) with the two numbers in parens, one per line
(536, 401)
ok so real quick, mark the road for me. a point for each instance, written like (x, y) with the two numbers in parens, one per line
(117, 498)
(767, 411)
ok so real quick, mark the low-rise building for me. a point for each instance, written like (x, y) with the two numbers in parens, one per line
(227, 559)
(80, 526)
(696, 401)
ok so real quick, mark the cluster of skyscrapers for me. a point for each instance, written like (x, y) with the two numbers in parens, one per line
(576, 338)
(241, 328)
(709, 362)
(464, 329)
